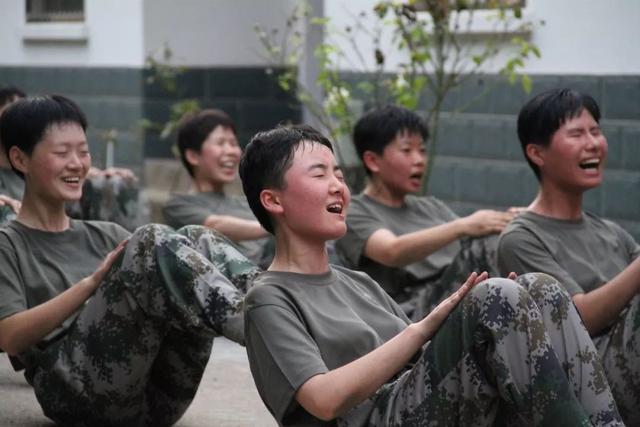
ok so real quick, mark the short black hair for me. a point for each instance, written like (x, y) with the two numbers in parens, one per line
(267, 158)
(25, 122)
(8, 94)
(379, 127)
(546, 112)
(194, 129)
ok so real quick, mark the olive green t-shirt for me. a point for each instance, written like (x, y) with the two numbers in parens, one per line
(11, 184)
(38, 265)
(366, 216)
(582, 254)
(193, 209)
(301, 325)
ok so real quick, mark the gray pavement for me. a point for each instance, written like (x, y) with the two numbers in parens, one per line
(227, 396)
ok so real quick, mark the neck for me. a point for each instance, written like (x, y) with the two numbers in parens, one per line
(557, 203)
(41, 215)
(381, 193)
(296, 255)
(206, 186)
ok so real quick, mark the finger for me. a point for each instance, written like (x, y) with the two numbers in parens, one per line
(512, 276)
(481, 278)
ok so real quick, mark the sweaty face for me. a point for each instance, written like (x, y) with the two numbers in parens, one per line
(59, 163)
(217, 161)
(402, 164)
(574, 160)
(315, 197)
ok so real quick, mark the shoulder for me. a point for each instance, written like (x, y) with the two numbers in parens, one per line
(267, 290)
(106, 229)
(520, 230)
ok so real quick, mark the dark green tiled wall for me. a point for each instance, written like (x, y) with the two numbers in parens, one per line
(110, 97)
(248, 95)
(119, 98)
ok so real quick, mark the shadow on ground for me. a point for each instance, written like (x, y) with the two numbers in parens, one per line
(227, 396)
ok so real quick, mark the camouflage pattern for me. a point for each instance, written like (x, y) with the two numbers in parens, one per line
(113, 199)
(476, 254)
(6, 215)
(619, 349)
(508, 355)
(138, 349)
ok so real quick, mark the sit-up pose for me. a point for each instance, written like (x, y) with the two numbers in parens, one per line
(409, 244)
(327, 345)
(210, 152)
(110, 332)
(595, 259)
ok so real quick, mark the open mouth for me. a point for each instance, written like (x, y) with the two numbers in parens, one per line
(228, 164)
(335, 208)
(590, 164)
(72, 180)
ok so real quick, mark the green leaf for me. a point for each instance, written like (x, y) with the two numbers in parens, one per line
(526, 83)
(319, 21)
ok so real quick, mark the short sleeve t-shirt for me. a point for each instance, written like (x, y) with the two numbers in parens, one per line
(11, 184)
(39, 265)
(193, 209)
(582, 254)
(366, 216)
(300, 325)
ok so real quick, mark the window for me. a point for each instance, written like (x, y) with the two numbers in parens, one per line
(55, 11)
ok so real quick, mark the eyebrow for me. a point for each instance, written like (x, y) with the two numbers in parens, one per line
(323, 167)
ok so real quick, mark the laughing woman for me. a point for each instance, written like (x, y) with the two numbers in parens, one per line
(111, 328)
(327, 346)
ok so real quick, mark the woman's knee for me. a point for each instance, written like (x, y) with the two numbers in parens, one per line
(544, 289)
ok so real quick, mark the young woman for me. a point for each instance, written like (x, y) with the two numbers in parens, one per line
(112, 329)
(327, 346)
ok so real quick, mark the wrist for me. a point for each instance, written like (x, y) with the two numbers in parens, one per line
(460, 227)
(419, 333)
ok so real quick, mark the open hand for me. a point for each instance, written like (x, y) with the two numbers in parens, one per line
(431, 323)
(486, 221)
(95, 279)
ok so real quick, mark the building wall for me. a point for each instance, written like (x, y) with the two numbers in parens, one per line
(578, 37)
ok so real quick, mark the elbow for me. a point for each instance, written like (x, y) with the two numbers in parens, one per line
(326, 412)
(9, 346)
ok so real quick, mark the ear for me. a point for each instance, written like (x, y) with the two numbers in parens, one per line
(370, 160)
(192, 156)
(19, 159)
(270, 200)
(535, 153)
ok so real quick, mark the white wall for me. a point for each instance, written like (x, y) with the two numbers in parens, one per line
(113, 30)
(211, 32)
(579, 36)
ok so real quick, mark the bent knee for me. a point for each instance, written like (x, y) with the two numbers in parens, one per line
(497, 290)
(543, 286)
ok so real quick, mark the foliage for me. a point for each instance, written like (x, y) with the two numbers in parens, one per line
(436, 38)
(166, 77)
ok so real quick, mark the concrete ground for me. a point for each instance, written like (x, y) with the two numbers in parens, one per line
(227, 396)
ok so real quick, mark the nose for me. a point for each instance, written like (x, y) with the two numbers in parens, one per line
(419, 157)
(74, 161)
(338, 186)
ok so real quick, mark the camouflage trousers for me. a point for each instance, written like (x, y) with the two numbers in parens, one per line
(511, 354)
(619, 349)
(136, 352)
(478, 254)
